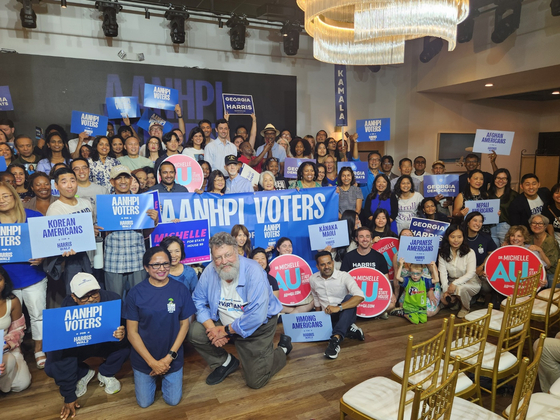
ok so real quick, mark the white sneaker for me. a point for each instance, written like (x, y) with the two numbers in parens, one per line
(111, 384)
(81, 386)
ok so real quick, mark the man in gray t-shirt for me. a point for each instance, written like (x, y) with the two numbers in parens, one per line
(87, 189)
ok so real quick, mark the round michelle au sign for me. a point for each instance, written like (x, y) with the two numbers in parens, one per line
(377, 290)
(188, 172)
(292, 274)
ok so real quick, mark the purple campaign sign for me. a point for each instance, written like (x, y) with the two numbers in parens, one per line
(149, 117)
(360, 169)
(94, 125)
(291, 166)
(447, 185)
(160, 97)
(195, 235)
(6, 103)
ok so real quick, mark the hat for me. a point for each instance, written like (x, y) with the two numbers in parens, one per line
(118, 170)
(438, 162)
(231, 159)
(155, 123)
(270, 127)
(83, 283)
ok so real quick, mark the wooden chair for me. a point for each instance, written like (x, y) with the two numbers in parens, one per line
(501, 361)
(382, 398)
(546, 309)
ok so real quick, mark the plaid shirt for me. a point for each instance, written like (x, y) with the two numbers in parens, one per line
(124, 250)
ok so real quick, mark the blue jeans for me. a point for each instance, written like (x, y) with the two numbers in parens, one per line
(171, 387)
(498, 233)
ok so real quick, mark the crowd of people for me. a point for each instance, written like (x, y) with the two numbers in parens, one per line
(234, 299)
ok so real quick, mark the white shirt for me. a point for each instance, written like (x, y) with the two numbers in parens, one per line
(196, 154)
(333, 290)
(216, 152)
(277, 151)
(458, 271)
(231, 305)
(536, 205)
(72, 144)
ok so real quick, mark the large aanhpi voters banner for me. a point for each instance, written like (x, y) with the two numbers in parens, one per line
(160, 97)
(14, 243)
(124, 211)
(377, 291)
(307, 326)
(292, 274)
(488, 141)
(76, 326)
(194, 234)
(238, 104)
(94, 125)
(504, 264)
(291, 209)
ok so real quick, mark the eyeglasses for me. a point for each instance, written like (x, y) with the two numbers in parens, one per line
(89, 296)
(537, 224)
(157, 266)
(224, 257)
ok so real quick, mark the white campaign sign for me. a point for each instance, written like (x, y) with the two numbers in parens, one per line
(488, 141)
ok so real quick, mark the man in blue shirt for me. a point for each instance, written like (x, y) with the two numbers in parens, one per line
(235, 303)
(270, 133)
(235, 183)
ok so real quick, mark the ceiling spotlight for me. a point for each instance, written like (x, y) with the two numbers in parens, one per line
(290, 33)
(556, 92)
(506, 21)
(238, 26)
(374, 69)
(27, 15)
(63, 4)
(177, 25)
(489, 85)
(147, 14)
(555, 7)
(109, 9)
(432, 47)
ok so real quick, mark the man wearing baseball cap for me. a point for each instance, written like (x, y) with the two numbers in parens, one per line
(235, 183)
(270, 133)
(67, 367)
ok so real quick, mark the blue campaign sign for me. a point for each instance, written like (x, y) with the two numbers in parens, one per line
(94, 125)
(360, 169)
(3, 165)
(297, 209)
(447, 185)
(238, 104)
(124, 211)
(374, 129)
(427, 227)
(307, 326)
(268, 234)
(333, 234)
(419, 250)
(160, 97)
(291, 166)
(122, 106)
(149, 117)
(488, 141)
(82, 325)
(157, 206)
(195, 234)
(54, 235)
(6, 103)
(14, 243)
(488, 208)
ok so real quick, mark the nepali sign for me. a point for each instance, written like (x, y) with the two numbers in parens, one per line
(307, 326)
(446, 185)
(54, 235)
(81, 325)
(291, 166)
(388, 248)
(427, 227)
(124, 211)
(419, 250)
(195, 235)
(503, 265)
(333, 234)
(488, 141)
(238, 104)
(488, 208)
(188, 171)
(122, 106)
(160, 97)
(340, 95)
(292, 274)
(94, 125)
(6, 103)
(377, 291)
(359, 168)
(14, 243)
(373, 129)
(149, 117)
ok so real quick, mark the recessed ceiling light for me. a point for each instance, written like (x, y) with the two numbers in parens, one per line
(489, 84)
(556, 92)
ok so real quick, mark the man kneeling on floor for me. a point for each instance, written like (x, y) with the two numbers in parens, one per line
(337, 293)
(234, 302)
(67, 367)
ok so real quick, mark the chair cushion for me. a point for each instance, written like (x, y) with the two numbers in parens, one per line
(507, 359)
(539, 307)
(466, 410)
(463, 382)
(542, 407)
(555, 388)
(545, 294)
(495, 319)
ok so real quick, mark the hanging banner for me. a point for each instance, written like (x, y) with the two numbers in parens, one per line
(292, 274)
(377, 291)
(307, 326)
(488, 141)
(388, 248)
(124, 211)
(341, 103)
(291, 166)
(488, 208)
(160, 97)
(447, 185)
(360, 170)
(419, 250)
(373, 129)
(150, 117)
(94, 125)
(122, 106)
(503, 265)
(195, 235)
(188, 172)
(14, 243)
(238, 104)
(293, 210)
(6, 103)
(427, 227)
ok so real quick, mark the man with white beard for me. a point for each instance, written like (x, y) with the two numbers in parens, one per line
(235, 303)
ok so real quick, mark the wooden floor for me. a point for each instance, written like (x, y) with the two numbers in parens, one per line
(309, 387)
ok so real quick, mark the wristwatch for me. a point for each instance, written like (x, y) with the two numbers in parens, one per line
(173, 354)
(340, 307)
(228, 332)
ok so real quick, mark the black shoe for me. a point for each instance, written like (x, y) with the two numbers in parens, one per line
(286, 342)
(221, 372)
(397, 312)
(333, 348)
(355, 332)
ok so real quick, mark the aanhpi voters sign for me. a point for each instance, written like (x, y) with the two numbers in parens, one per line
(377, 291)
(189, 173)
(238, 104)
(94, 125)
(374, 129)
(503, 265)
(14, 243)
(488, 141)
(292, 274)
(388, 248)
(160, 97)
(124, 211)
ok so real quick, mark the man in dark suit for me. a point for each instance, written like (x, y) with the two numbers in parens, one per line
(532, 201)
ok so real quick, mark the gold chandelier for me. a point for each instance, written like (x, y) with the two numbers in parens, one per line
(373, 32)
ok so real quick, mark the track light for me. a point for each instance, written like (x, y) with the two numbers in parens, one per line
(63, 4)
(177, 25)
(506, 21)
(27, 15)
(374, 69)
(238, 26)
(432, 47)
(147, 14)
(555, 7)
(110, 11)
(290, 33)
